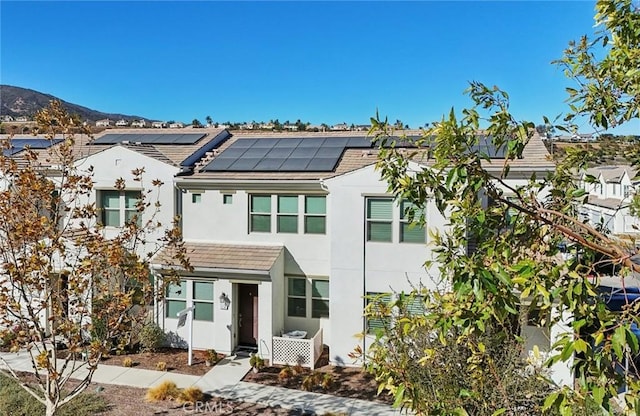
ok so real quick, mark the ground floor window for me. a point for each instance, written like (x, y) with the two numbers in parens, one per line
(190, 293)
(381, 312)
(307, 297)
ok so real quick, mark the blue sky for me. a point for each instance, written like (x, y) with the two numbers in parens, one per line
(315, 61)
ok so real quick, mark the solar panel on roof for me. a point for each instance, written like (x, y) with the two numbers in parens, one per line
(294, 165)
(244, 164)
(256, 152)
(19, 144)
(299, 154)
(280, 152)
(265, 143)
(155, 138)
(307, 152)
(340, 142)
(269, 165)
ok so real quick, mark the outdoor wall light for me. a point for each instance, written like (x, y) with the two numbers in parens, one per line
(224, 301)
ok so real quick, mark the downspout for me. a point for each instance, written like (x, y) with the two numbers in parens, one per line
(364, 279)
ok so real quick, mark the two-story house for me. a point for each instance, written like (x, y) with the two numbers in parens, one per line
(609, 198)
(289, 232)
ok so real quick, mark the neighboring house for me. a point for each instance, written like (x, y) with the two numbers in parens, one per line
(609, 198)
(340, 127)
(176, 125)
(104, 123)
(122, 123)
(6, 118)
(140, 123)
(287, 234)
(22, 119)
(158, 124)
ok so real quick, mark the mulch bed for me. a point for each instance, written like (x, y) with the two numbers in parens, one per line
(175, 359)
(351, 382)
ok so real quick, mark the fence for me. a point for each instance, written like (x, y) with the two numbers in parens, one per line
(293, 351)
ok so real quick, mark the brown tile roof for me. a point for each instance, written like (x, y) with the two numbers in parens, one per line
(171, 154)
(229, 256)
(611, 203)
(613, 173)
(535, 157)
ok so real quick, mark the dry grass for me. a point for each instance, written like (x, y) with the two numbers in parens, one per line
(167, 390)
(190, 395)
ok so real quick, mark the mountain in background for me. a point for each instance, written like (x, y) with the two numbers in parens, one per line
(16, 102)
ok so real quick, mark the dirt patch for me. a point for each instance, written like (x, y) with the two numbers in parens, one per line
(127, 401)
(176, 361)
(345, 381)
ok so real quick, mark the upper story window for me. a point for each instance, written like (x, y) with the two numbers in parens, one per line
(119, 207)
(260, 213)
(379, 219)
(288, 217)
(287, 214)
(410, 230)
(315, 215)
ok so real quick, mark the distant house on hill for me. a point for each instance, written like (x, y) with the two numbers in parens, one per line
(139, 123)
(22, 119)
(122, 123)
(104, 123)
(340, 127)
(158, 125)
(6, 118)
(176, 125)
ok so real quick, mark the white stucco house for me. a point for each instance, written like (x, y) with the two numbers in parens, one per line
(287, 234)
(609, 198)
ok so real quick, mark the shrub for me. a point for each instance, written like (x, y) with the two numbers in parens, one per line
(256, 361)
(286, 373)
(298, 370)
(127, 362)
(161, 366)
(15, 401)
(211, 357)
(312, 380)
(327, 381)
(152, 337)
(190, 395)
(167, 390)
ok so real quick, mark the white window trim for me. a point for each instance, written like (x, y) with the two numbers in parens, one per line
(308, 296)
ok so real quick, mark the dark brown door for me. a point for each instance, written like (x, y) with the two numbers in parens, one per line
(248, 314)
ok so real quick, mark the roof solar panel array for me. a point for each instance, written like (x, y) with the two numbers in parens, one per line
(18, 145)
(170, 138)
(313, 154)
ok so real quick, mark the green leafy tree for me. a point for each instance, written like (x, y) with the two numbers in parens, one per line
(61, 278)
(500, 251)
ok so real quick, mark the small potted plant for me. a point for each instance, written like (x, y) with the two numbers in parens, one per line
(256, 362)
(210, 357)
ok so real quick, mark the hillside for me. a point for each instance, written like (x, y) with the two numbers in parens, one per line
(17, 101)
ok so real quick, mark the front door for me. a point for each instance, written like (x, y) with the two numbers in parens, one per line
(247, 315)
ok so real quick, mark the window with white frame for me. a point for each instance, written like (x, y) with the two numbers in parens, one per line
(379, 219)
(627, 191)
(287, 214)
(410, 230)
(307, 298)
(175, 299)
(260, 213)
(119, 207)
(319, 298)
(203, 301)
(297, 297)
(315, 214)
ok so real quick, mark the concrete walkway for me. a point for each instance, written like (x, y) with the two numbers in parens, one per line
(223, 380)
